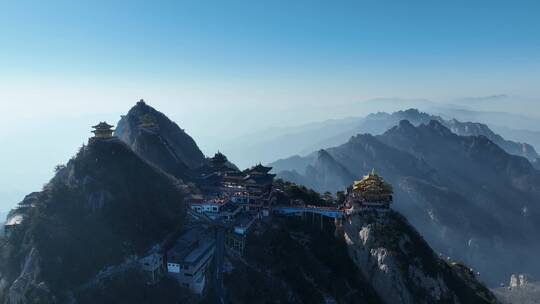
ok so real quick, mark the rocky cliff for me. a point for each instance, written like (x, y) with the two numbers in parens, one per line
(375, 259)
(156, 138)
(291, 261)
(402, 268)
(521, 289)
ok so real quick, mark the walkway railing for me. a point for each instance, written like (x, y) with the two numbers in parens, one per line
(332, 212)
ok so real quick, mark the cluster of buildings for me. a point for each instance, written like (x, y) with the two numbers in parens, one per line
(187, 260)
(234, 198)
(230, 200)
(221, 178)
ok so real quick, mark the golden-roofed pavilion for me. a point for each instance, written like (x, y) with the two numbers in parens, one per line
(373, 188)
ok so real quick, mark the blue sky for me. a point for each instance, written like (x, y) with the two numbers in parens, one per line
(243, 65)
(240, 52)
(260, 41)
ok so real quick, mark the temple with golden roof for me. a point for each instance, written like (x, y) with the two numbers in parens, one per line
(370, 193)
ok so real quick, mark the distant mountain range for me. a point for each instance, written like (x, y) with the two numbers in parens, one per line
(470, 199)
(528, 136)
(280, 143)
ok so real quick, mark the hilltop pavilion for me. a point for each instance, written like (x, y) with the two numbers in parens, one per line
(103, 130)
(372, 192)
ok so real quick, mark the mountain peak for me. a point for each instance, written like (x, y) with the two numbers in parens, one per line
(322, 154)
(436, 124)
(405, 124)
(441, 129)
(325, 159)
(141, 102)
(141, 108)
(171, 148)
(411, 112)
(360, 138)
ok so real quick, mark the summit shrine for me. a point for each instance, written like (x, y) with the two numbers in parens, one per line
(103, 130)
(370, 193)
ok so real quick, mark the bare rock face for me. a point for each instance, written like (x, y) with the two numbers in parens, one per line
(522, 289)
(29, 280)
(402, 268)
(156, 138)
(519, 280)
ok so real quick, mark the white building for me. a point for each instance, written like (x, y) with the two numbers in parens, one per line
(188, 260)
(210, 207)
(12, 221)
(217, 207)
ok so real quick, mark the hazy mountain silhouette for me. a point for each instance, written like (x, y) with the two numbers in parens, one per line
(283, 142)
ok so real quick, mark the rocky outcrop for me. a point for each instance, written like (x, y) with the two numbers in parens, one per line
(519, 280)
(287, 261)
(156, 138)
(29, 285)
(402, 268)
(522, 289)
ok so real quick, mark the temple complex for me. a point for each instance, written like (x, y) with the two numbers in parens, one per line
(233, 198)
(370, 193)
(103, 130)
(258, 179)
(258, 169)
(249, 185)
